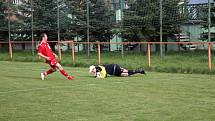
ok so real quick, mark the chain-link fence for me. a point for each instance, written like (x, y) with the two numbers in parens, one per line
(22, 22)
(107, 20)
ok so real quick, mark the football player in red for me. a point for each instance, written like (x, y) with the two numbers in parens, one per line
(45, 51)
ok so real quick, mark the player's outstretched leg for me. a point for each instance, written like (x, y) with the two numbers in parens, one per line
(63, 72)
(44, 74)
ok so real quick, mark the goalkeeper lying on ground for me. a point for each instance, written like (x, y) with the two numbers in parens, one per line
(101, 71)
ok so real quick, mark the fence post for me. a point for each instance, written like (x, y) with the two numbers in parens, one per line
(149, 56)
(209, 56)
(99, 54)
(10, 51)
(73, 53)
(59, 50)
(122, 51)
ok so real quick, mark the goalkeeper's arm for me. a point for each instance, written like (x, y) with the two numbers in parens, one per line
(100, 75)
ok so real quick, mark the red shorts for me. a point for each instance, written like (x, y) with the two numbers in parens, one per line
(52, 62)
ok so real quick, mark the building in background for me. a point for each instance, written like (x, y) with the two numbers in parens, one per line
(197, 17)
(196, 25)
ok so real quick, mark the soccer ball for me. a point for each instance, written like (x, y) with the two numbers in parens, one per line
(98, 75)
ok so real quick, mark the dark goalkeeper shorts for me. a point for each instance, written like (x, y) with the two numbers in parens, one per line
(117, 70)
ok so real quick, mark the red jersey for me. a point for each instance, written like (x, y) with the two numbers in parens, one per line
(46, 50)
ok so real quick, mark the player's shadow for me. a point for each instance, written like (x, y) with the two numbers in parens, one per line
(22, 77)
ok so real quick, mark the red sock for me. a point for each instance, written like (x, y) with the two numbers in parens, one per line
(49, 72)
(64, 73)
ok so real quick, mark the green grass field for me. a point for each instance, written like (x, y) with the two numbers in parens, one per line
(154, 97)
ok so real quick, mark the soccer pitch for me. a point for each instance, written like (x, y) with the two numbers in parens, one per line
(154, 97)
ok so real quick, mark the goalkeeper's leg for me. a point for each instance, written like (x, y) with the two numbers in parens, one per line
(126, 72)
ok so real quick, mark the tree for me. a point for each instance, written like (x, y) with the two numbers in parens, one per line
(72, 19)
(213, 16)
(3, 20)
(8, 13)
(21, 28)
(100, 22)
(45, 17)
(142, 20)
